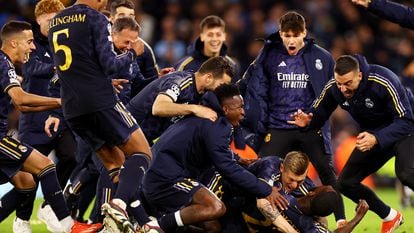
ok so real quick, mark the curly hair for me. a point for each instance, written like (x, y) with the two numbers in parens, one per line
(48, 6)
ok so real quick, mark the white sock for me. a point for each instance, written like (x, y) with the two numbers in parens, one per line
(340, 221)
(67, 224)
(178, 219)
(390, 216)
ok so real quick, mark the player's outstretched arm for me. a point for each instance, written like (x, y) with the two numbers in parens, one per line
(274, 215)
(165, 107)
(301, 118)
(26, 102)
(361, 210)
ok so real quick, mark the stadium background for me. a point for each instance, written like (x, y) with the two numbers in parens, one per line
(170, 26)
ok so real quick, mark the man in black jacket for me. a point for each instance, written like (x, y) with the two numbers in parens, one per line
(376, 99)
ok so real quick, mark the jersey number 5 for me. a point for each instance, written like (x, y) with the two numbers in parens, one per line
(66, 50)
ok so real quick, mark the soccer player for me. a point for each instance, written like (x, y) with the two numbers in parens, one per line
(392, 11)
(288, 74)
(37, 72)
(124, 32)
(319, 202)
(86, 64)
(166, 100)
(19, 161)
(376, 99)
(187, 149)
(210, 43)
(147, 69)
(306, 202)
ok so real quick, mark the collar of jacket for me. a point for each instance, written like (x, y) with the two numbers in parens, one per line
(196, 49)
(275, 40)
(209, 99)
(39, 37)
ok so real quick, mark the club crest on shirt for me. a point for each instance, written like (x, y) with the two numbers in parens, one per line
(268, 137)
(318, 64)
(369, 103)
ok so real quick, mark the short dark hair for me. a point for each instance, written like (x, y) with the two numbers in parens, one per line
(226, 91)
(345, 64)
(212, 21)
(218, 66)
(292, 21)
(118, 3)
(324, 203)
(125, 23)
(296, 162)
(14, 27)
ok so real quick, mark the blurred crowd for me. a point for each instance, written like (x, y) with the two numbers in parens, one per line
(170, 26)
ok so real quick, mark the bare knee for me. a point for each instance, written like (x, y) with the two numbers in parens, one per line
(23, 180)
(36, 162)
(111, 157)
(217, 209)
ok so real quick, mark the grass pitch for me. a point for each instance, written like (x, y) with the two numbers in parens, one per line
(371, 222)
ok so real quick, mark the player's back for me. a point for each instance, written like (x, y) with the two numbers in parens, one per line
(85, 60)
(179, 86)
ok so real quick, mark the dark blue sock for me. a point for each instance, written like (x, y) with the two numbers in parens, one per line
(86, 196)
(52, 191)
(25, 208)
(130, 176)
(105, 187)
(168, 223)
(11, 201)
(136, 210)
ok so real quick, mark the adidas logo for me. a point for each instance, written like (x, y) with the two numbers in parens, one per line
(47, 54)
(282, 64)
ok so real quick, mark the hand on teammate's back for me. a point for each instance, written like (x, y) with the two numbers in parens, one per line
(204, 112)
(277, 199)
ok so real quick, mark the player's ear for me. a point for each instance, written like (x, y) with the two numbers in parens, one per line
(13, 43)
(225, 109)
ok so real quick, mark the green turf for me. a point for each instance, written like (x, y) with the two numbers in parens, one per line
(371, 223)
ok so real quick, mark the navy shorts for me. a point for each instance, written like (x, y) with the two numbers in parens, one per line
(13, 153)
(111, 126)
(170, 196)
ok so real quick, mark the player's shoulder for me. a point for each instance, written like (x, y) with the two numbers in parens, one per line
(5, 62)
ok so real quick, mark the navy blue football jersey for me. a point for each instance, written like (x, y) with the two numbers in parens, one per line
(179, 86)
(8, 79)
(85, 60)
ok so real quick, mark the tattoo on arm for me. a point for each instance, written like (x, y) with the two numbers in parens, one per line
(267, 210)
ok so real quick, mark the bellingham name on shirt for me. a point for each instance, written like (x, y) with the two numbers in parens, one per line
(68, 19)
